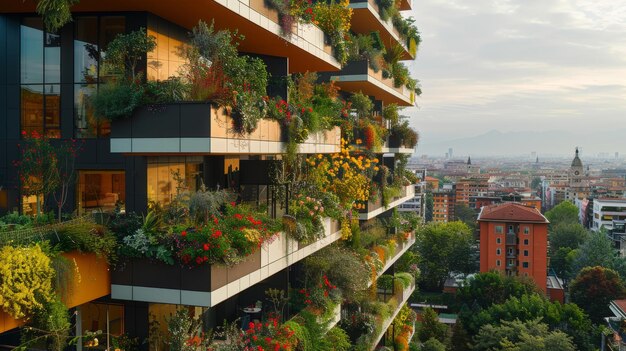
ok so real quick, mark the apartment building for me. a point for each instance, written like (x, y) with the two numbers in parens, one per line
(514, 240)
(49, 78)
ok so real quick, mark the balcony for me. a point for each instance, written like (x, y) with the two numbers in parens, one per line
(374, 208)
(401, 248)
(511, 239)
(305, 47)
(366, 18)
(357, 76)
(402, 297)
(396, 145)
(90, 281)
(203, 128)
(207, 286)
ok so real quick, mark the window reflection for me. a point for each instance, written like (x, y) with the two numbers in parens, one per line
(169, 176)
(101, 191)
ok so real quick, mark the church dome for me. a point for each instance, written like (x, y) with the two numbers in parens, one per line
(576, 162)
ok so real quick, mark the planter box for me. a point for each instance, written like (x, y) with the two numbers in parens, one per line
(374, 208)
(203, 128)
(207, 286)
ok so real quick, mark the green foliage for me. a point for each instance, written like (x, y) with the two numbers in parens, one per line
(567, 235)
(116, 100)
(362, 105)
(568, 317)
(562, 262)
(445, 248)
(431, 328)
(486, 289)
(594, 288)
(126, 51)
(523, 336)
(367, 47)
(433, 345)
(51, 324)
(181, 328)
(598, 250)
(25, 280)
(460, 340)
(88, 237)
(55, 13)
(342, 267)
(565, 212)
(339, 339)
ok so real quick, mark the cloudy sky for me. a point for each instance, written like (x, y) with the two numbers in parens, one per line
(524, 65)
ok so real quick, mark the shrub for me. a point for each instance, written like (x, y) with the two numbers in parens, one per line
(25, 280)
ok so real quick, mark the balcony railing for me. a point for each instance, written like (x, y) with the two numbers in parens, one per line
(203, 128)
(401, 249)
(358, 76)
(207, 286)
(374, 208)
(402, 298)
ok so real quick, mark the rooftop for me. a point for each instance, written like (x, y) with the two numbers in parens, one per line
(511, 211)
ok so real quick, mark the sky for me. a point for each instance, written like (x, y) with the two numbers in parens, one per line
(525, 65)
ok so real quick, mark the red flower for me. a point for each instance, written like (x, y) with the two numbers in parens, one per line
(183, 233)
(199, 260)
(206, 247)
(216, 234)
(238, 216)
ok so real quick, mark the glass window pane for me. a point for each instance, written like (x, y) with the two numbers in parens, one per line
(101, 191)
(86, 49)
(110, 27)
(52, 57)
(31, 51)
(32, 108)
(84, 120)
(53, 111)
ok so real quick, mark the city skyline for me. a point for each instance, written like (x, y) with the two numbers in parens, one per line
(530, 67)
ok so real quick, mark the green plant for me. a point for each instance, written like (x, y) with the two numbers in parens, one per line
(362, 105)
(339, 339)
(126, 51)
(118, 99)
(185, 332)
(55, 13)
(51, 324)
(88, 237)
(25, 280)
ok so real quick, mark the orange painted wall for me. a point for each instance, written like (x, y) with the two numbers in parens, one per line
(537, 249)
(91, 280)
(536, 203)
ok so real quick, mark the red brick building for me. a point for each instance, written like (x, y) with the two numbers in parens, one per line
(514, 240)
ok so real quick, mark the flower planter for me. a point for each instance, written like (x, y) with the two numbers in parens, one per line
(374, 208)
(208, 285)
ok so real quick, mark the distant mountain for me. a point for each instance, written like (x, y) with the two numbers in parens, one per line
(547, 143)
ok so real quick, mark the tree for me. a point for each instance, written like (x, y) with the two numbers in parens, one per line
(594, 288)
(535, 184)
(486, 289)
(596, 251)
(433, 345)
(569, 235)
(562, 261)
(522, 336)
(428, 208)
(565, 212)
(124, 53)
(460, 340)
(466, 215)
(566, 317)
(445, 248)
(431, 328)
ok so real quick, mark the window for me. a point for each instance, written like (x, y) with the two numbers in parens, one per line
(526, 230)
(511, 229)
(40, 77)
(103, 316)
(498, 241)
(499, 229)
(498, 251)
(525, 241)
(525, 264)
(498, 263)
(91, 35)
(101, 190)
(525, 252)
(163, 172)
